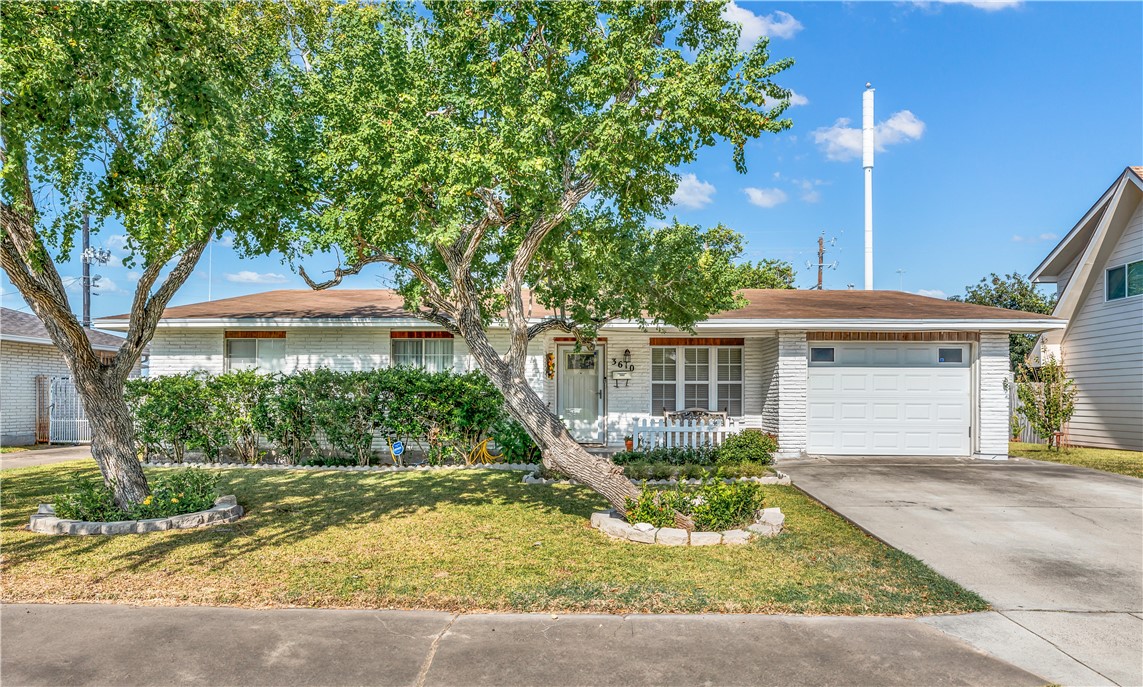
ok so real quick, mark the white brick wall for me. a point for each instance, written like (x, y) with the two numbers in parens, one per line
(20, 363)
(792, 354)
(768, 377)
(992, 404)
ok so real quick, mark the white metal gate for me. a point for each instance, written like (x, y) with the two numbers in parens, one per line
(67, 423)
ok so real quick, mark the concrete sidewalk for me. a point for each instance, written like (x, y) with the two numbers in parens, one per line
(43, 456)
(125, 645)
(1056, 549)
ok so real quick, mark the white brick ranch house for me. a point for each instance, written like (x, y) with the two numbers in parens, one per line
(28, 361)
(829, 372)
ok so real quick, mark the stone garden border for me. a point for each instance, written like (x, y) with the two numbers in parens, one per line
(777, 478)
(225, 509)
(768, 524)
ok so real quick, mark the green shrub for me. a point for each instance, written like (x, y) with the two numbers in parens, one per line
(713, 505)
(285, 415)
(748, 446)
(675, 455)
(235, 399)
(175, 493)
(514, 442)
(725, 506)
(657, 507)
(87, 499)
(174, 413)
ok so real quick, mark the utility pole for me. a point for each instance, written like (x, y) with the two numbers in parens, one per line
(821, 259)
(86, 270)
(822, 266)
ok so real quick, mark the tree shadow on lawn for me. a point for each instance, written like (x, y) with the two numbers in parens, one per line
(283, 507)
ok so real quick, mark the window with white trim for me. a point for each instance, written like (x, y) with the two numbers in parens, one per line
(263, 355)
(696, 377)
(1125, 281)
(434, 355)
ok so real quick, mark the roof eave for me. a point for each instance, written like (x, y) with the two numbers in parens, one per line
(758, 324)
(43, 341)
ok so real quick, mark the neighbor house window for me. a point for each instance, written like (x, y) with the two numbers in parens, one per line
(1125, 280)
(261, 351)
(417, 349)
(696, 377)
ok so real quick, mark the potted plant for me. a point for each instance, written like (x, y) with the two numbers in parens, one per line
(629, 442)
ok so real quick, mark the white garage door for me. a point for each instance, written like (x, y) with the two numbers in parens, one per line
(887, 399)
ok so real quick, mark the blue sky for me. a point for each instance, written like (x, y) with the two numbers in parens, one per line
(1000, 125)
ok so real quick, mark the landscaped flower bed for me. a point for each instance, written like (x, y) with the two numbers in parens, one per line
(46, 521)
(178, 500)
(723, 513)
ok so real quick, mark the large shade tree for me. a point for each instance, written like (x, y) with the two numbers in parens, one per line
(152, 115)
(507, 159)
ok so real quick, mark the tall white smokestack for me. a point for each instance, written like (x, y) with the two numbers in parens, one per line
(867, 163)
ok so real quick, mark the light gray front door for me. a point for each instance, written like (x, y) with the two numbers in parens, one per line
(580, 393)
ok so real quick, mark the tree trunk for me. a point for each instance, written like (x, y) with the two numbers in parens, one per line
(560, 451)
(112, 434)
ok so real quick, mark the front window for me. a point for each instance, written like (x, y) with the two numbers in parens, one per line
(696, 377)
(261, 354)
(434, 355)
(1125, 281)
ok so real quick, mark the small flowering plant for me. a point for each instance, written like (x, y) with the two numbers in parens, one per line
(173, 493)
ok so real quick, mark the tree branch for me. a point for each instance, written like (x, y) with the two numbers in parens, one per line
(436, 300)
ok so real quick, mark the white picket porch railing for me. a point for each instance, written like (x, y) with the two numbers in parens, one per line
(658, 432)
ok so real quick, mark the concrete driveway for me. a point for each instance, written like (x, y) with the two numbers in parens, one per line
(1056, 549)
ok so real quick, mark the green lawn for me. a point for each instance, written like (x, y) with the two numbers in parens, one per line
(1128, 463)
(14, 449)
(453, 540)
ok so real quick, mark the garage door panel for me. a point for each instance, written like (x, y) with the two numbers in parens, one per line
(889, 399)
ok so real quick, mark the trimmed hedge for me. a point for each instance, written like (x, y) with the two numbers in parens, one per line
(322, 415)
(747, 446)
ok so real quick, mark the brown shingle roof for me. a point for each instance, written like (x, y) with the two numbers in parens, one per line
(14, 323)
(764, 304)
(1138, 172)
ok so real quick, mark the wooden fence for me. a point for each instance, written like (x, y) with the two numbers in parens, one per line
(657, 432)
(1026, 433)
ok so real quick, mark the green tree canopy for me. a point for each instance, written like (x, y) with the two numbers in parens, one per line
(1014, 292)
(156, 116)
(482, 148)
(765, 274)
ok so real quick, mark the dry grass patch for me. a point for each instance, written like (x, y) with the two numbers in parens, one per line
(471, 540)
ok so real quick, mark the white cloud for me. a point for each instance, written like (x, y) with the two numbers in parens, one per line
(133, 276)
(116, 242)
(809, 189)
(765, 197)
(795, 100)
(248, 277)
(1047, 236)
(693, 192)
(986, 5)
(227, 241)
(777, 24)
(842, 142)
(932, 293)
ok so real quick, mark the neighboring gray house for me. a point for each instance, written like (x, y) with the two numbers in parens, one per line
(829, 372)
(1098, 272)
(26, 352)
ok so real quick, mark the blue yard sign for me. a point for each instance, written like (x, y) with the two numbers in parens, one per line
(398, 448)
